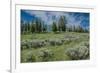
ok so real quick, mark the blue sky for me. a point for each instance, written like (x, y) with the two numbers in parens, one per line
(73, 18)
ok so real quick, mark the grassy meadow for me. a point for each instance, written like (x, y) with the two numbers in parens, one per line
(54, 46)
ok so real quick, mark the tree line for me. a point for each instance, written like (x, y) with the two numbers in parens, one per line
(61, 25)
(34, 26)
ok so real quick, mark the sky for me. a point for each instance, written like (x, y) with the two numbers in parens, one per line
(72, 18)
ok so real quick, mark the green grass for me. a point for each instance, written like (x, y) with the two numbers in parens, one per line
(58, 50)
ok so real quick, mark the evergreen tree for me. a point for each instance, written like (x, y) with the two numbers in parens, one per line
(62, 23)
(54, 27)
(28, 27)
(32, 26)
(44, 28)
(40, 26)
(22, 27)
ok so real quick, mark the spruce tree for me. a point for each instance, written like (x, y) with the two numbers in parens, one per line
(54, 27)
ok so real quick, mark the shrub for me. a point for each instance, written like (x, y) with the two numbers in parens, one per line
(37, 43)
(23, 59)
(25, 45)
(59, 42)
(78, 53)
(86, 44)
(55, 42)
(31, 58)
(52, 42)
(45, 55)
(66, 41)
(32, 44)
(28, 57)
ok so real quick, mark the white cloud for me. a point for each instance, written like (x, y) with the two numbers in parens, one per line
(47, 16)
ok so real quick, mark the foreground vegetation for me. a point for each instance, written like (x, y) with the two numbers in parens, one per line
(50, 46)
